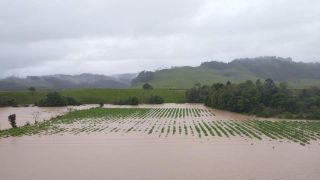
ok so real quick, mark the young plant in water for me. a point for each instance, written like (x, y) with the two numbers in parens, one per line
(12, 120)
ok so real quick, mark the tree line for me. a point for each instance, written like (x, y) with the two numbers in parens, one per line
(262, 98)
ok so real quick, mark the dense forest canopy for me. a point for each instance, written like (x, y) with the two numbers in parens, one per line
(260, 98)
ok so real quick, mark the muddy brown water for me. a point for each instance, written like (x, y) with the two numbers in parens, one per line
(139, 156)
(148, 158)
(32, 114)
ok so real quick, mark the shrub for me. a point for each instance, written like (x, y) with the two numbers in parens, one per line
(71, 101)
(155, 100)
(147, 86)
(6, 101)
(54, 99)
(12, 120)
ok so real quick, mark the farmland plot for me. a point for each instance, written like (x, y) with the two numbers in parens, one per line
(187, 121)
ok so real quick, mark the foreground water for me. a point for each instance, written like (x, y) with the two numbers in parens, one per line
(146, 157)
(147, 147)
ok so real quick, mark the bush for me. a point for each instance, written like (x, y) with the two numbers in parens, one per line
(54, 99)
(12, 120)
(72, 102)
(155, 100)
(147, 86)
(129, 101)
(6, 101)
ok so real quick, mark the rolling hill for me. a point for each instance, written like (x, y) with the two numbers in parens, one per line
(297, 74)
(67, 82)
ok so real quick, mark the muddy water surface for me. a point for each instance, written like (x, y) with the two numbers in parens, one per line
(32, 114)
(147, 158)
(138, 155)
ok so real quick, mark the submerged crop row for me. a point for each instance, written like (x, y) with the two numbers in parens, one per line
(166, 122)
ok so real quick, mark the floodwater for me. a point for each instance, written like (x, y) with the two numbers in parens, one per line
(219, 114)
(32, 114)
(137, 155)
(147, 158)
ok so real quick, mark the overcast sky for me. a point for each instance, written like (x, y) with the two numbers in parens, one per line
(40, 37)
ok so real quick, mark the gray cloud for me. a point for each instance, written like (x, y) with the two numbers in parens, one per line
(108, 37)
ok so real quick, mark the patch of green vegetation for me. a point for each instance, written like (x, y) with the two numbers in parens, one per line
(95, 113)
(203, 129)
(151, 130)
(186, 77)
(185, 129)
(237, 71)
(197, 129)
(264, 99)
(97, 96)
(208, 128)
(55, 99)
(27, 130)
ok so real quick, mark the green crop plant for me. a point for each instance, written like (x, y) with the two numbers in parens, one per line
(244, 128)
(168, 131)
(203, 129)
(220, 128)
(150, 131)
(208, 127)
(185, 129)
(197, 129)
(212, 125)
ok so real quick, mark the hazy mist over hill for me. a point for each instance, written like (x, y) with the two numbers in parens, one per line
(67, 82)
(297, 74)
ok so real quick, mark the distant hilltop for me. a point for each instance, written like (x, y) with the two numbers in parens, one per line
(297, 74)
(62, 81)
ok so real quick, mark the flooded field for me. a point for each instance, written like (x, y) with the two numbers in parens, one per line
(32, 114)
(169, 141)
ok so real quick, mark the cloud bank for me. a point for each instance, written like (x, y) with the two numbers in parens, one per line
(110, 37)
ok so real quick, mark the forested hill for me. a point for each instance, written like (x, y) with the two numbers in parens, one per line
(277, 68)
(67, 82)
(297, 74)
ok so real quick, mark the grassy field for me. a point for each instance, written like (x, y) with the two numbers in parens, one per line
(186, 77)
(95, 96)
(198, 122)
